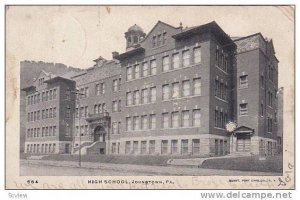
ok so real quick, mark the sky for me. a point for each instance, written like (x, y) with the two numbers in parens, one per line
(76, 35)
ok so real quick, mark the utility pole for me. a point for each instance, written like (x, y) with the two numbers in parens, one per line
(77, 94)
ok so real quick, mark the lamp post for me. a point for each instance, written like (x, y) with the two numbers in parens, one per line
(77, 93)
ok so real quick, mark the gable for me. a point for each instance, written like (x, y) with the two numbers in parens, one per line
(156, 32)
(244, 129)
(42, 75)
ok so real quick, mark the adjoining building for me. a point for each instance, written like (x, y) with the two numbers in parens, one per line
(171, 93)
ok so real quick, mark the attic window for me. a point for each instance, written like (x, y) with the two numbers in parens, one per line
(154, 41)
(159, 40)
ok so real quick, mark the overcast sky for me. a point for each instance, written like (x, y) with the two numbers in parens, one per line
(76, 35)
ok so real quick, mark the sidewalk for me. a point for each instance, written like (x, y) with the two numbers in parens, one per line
(197, 162)
(155, 170)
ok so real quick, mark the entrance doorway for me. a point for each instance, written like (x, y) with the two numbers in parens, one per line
(99, 134)
(243, 143)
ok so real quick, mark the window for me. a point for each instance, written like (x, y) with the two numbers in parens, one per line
(166, 64)
(54, 94)
(68, 132)
(197, 86)
(43, 96)
(50, 95)
(196, 146)
(114, 127)
(115, 106)
(135, 147)
(137, 71)
(54, 130)
(136, 97)
(127, 147)
(145, 69)
(216, 118)
(86, 111)
(244, 81)
(51, 130)
(164, 38)
(186, 58)
(185, 118)
(152, 121)
(174, 146)
(165, 120)
(113, 148)
(186, 88)
(175, 90)
(262, 81)
(104, 107)
(184, 146)
(136, 123)
(151, 146)
(119, 84)
(175, 61)
(152, 67)
(153, 41)
(144, 124)
(164, 146)
(175, 119)
(144, 96)
(244, 109)
(95, 109)
(159, 40)
(128, 98)
(152, 94)
(262, 109)
(166, 92)
(270, 124)
(119, 105)
(272, 74)
(128, 124)
(119, 127)
(115, 85)
(86, 92)
(68, 112)
(143, 147)
(129, 73)
(197, 55)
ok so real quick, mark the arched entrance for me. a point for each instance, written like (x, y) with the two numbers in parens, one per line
(243, 136)
(99, 134)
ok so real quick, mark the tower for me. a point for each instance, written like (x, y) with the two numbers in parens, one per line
(133, 36)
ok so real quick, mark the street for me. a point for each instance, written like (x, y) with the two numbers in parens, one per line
(69, 168)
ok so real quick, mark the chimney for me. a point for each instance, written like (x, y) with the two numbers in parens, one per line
(115, 54)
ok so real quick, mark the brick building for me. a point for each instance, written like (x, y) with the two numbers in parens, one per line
(172, 92)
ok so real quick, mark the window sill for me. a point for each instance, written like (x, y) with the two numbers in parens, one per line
(140, 78)
(130, 106)
(243, 115)
(180, 98)
(243, 87)
(221, 70)
(223, 129)
(182, 67)
(221, 99)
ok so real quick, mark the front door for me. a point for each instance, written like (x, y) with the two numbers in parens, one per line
(99, 134)
(243, 143)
